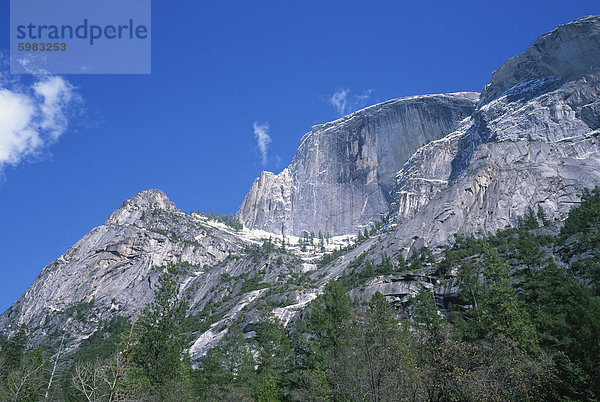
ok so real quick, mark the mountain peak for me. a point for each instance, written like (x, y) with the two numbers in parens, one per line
(144, 201)
(570, 51)
(150, 196)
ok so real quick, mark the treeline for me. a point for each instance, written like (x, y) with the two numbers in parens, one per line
(228, 219)
(361, 237)
(525, 326)
(307, 241)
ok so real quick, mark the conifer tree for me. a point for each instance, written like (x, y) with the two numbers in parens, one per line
(159, 346)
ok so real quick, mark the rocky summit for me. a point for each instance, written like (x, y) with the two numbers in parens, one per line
(414, 171)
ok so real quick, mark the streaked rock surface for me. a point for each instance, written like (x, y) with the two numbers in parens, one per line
(342, 175)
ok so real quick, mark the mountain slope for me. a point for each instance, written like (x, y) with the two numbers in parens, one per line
(532, 141)
(111, 269)
(434, 165)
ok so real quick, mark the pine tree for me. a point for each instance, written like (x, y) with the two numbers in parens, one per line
(541, 214)
(159, 346)
(426, 313)
(328, 318)
(567, 318)
(496, 310)
(267, 390)
(229, 365)
(275, 352)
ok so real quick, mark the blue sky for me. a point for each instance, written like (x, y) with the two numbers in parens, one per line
(217, 69)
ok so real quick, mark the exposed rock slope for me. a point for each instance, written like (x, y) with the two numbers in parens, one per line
(112, 268)
(533, 140)
(342, 174)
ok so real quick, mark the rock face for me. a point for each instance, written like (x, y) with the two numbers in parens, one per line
(440, 165)
(114, 268)
(532, 141)
(566, 53)
(535, 122)
(342, 175)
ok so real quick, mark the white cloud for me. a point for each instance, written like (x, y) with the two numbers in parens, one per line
(344, 103)
(339, 100)
(261, 133)
(56, 95)
(31, 117)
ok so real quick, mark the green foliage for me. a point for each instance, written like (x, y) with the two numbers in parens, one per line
(567, 319)
(13, 350)
(541, 214)
(580, 239)
(496, 311)
(329, 314)
(267, 390)
(80, 310)
(275, 357)
(28, 379)
(105, 342)
(360, 270)
(253, 283)
(528, 221)
(420, 258)
(531, 303)
(159, 346)
(366, 234)
(385, 267)
(274, 350)
(526, 327)
(268, 246)
(585, 218)
(24, 373)
(201, 321)
(228, 368)
(426, 313)
(375, 356)
(334, 255)
(230, 220)
(263, 251)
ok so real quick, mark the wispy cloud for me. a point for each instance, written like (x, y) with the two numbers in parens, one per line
(343, 102)
(56, 94)
(32, 117)
(261, 133)
(339, 100)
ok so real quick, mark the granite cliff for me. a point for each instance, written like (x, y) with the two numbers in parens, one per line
(342, 175)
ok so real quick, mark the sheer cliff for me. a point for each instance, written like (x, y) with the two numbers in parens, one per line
(531, 139)
(342, 175)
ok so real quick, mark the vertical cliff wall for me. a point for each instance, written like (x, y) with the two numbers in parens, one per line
(342, 175)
